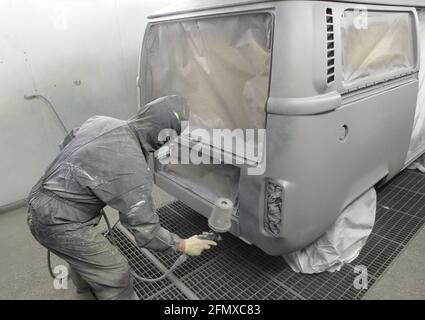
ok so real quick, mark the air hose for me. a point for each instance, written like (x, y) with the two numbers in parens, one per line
(49, 265)
(180, 260)
(219, 222)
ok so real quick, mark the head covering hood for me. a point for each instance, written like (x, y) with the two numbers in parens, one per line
(164, 113)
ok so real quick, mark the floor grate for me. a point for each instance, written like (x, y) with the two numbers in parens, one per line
(141, 264)
(242, 271)
(169, 293)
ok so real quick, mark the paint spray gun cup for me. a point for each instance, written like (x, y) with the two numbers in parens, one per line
(220, 220)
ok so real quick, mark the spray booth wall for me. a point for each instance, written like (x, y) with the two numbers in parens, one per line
(82, 55)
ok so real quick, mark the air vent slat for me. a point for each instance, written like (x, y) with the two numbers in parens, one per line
(330, 47)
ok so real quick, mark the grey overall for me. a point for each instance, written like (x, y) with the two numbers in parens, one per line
(104, 163)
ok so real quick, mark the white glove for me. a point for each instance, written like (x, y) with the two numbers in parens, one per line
(194, 246)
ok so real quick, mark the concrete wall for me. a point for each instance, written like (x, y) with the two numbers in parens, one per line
(82, 55)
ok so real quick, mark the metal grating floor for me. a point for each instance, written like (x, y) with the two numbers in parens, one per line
(236, 270)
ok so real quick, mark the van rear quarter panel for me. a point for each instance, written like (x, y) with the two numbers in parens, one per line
(322, 174)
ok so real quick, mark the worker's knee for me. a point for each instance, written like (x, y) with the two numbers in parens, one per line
(116, 284)
(121, 273)
(124, 268)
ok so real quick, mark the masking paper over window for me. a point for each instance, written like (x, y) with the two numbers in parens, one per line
(376, 45)
(221, 65)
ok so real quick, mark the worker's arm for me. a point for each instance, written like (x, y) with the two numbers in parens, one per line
(138, 216)
(114, 169)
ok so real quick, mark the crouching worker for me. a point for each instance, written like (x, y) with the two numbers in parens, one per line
(104, 163)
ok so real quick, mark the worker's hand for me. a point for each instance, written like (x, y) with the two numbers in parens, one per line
(194, 246)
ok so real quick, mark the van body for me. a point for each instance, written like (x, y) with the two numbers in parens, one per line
(334, 88)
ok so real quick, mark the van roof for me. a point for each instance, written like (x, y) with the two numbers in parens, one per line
(186, 6)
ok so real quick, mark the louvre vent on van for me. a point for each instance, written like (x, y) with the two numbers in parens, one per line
(330, 46)
(274, 207)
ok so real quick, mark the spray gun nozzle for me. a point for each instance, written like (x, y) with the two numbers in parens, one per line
(210, 235)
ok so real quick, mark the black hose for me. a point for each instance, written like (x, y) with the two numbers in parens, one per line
(47, 101)
(182, 258)
(49, 265)
(110, 230)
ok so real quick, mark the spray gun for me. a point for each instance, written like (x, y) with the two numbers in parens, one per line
(219, 221)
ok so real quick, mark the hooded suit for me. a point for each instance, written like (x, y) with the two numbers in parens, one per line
(104, 162)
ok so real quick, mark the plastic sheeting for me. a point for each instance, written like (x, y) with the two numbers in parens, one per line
(220, 65)
(376, 45)
(417, 143)
(342, 243)
(419, 165)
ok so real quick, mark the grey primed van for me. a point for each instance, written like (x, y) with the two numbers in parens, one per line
(336, 94)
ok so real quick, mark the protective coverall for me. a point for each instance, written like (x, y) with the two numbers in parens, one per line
(104, 163)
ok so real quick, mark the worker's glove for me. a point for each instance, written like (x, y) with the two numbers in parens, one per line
(194, 246)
